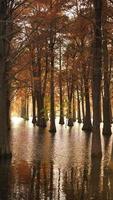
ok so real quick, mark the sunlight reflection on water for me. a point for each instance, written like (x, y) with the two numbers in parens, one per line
(46, 166)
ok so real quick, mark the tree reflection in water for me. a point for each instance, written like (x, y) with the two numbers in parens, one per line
(56, 167)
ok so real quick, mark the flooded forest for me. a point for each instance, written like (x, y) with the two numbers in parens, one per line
(56, 100)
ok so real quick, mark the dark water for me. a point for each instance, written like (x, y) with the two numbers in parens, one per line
(54, 167)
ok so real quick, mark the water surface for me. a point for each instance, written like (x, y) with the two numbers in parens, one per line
(50, 167)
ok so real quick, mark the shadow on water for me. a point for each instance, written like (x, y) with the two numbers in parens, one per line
(51, 167)
(5, 179)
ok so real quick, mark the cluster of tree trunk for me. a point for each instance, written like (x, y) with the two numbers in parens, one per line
(78, 91)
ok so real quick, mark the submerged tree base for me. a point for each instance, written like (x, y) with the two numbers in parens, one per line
(74, 119)
(42, 123)
(87, 127)
(34, 120)
(52, 130)
(70, 122)
(61, 121)
(52, 127)
(79, 121)
(107, 132)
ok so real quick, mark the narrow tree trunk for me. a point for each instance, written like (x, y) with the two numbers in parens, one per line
(8, 111)
(74, 107)
(82, 102)
(33, 109)
(78, 107)
(23, 108)
(52, 101)
(96, 82)
(27, 108)
(46, 110)
(70, 118)
(4, 121)
(40, 110)
(42, 114)
(5, 151)
(111, 102)
(101, 105)
(61, 121)
(106, 97)
(87, 126)
(41, 121)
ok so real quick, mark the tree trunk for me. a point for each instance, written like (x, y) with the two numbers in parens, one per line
(27, 108)
(87, 126)
(42, 114)
(41, 121)
(8, 111)
(74, 107)
(106, 97)
(23, 108)
(82, 101)
(96, 76)
(78, 107)
(4, 121)
(52, 101)
(61, 121)
(5, 151)
(33, 109)
(70, 118)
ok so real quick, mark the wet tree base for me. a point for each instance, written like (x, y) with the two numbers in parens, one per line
(70, 122)
(107, 132)
(87, 127)
(79, 121)
(74, 119)
(42, 123)
(52, 130)
(61, 121)
(34, 120)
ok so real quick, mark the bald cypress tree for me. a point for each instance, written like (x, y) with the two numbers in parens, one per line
(4, 87)
(96, 77)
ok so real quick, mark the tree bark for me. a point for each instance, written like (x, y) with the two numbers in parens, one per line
(82, 102)
(23, 107)
(74, 107)
(106, 97)
(97, 76)
(61, 121)
(70, 117)
(41, 121)
(5, 151)
(87, 126)
(33, 109)
(52, 100)
(78, 107)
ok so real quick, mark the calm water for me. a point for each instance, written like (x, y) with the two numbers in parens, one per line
(54, 167)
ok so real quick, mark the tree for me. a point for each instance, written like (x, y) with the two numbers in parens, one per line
(96, 77)
(5, 150)
(106, 96)
(61, 120)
